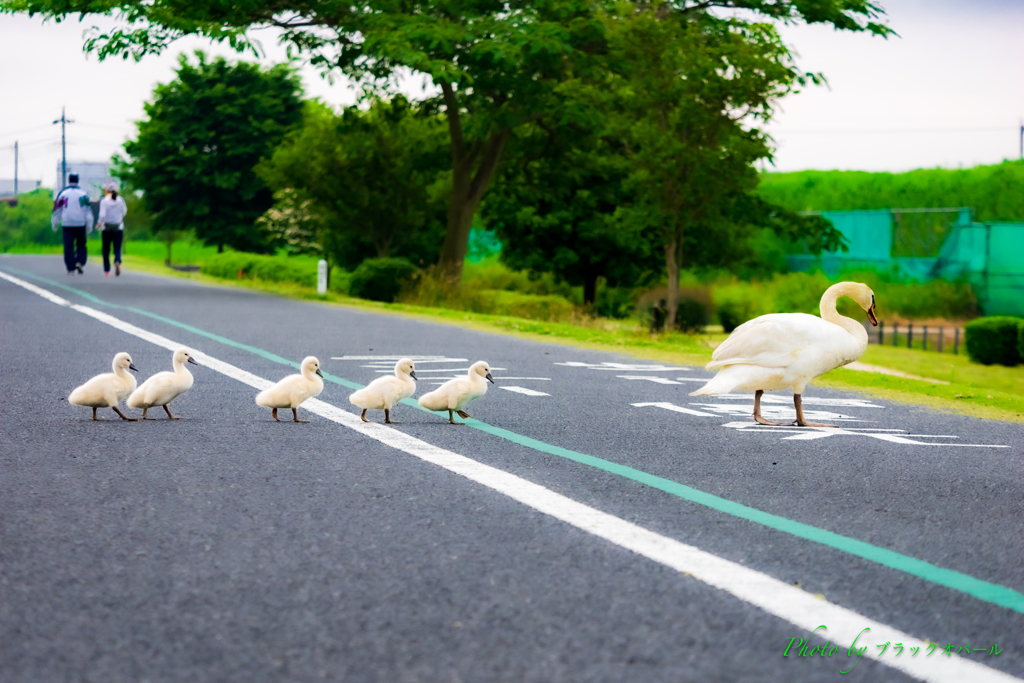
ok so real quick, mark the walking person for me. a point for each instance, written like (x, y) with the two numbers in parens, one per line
(111, 224)
(72, 209)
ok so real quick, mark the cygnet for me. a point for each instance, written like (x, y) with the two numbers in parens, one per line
(384, 392)
(164, 387)
(294, 389)
(108, 389)
(456, 394)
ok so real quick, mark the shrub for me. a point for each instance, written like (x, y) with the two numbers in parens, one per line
(614, 302)
(736, 304)
(993, 340)
(256, 266)
(692, 315)
(1020, 340)
(381, 279)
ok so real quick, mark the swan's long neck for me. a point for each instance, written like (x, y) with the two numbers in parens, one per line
(829, 313)
(180, 369)
(308, 374)
(121, 372)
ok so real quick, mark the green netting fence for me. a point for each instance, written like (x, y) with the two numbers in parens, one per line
(929, 244)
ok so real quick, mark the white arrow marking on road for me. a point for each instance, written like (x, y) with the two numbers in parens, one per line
(812, 433)
(525, 391)
(625, 366)
(775, 412)
(656, 380)
(795, 605)
(674, 408)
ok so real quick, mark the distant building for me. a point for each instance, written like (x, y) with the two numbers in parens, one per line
(24, 185)
(93, 176)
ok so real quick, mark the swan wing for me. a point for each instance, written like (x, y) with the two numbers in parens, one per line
(772, 341)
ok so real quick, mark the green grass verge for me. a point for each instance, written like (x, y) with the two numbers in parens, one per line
(991, 392)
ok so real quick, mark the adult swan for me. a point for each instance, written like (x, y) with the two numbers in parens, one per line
(790, 349)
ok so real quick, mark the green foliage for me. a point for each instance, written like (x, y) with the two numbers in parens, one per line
(993, 340)
(372, 180)
(381, 279)
(240, 265)
(294, 222)
(1020, 340)
(995, 192)
(29, 221)
(204, 133)
(429, 290)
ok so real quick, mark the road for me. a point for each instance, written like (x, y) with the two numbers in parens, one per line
(592, 523)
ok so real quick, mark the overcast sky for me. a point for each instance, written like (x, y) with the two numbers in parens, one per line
(949, 91)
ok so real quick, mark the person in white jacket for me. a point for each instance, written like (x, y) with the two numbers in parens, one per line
(111, 224)
(72, 209)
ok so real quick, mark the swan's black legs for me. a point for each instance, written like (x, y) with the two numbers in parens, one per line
(451, 418)
(98, 419)
(295, 416)
(757, 411)
(273, 414)
(387, 417)
(168, 411)
(798, 403)
(363, 415)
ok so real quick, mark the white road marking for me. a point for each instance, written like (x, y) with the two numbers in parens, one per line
(625, 366)
(673, 407)
(395, 359)
(524, 391)
(807, 400)
(787, 602)
(694, 379)
(813, 433)
(775, 412)
(418, 371)
(656, 380)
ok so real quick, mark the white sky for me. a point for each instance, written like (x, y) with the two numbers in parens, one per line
(948, 92)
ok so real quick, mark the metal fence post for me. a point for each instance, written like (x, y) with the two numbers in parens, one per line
(895, 334)
(941, 334)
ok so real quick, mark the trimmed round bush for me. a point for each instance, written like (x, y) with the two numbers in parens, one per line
(993, 340)
(380, 279)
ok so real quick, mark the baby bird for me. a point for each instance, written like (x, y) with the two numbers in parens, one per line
(456, 394)
(108, 389)
(164, 387)
(385, 392)
(294, 389)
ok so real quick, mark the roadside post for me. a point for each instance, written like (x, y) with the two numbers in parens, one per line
(321, 277)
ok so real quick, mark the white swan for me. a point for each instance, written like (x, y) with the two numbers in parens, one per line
(456, 394)
(108, 389)
(790, 349)
(164, 387)
(384, 392)
(294, 389)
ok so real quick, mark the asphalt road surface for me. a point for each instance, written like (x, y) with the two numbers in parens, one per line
(593, 523)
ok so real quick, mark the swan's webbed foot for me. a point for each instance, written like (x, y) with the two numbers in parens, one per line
(757, 412)
(123, 416)
(800, 421)
(362, 415)
(463, 414)
(295, 417)
(451, 418)
(169, 416)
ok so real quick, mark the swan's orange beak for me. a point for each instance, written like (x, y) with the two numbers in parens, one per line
(871, 313)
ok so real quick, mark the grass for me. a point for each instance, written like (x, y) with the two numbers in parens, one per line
(182, 251)
(993, 392)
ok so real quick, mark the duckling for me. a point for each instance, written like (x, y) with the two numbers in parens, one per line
(294, 389)
(108, 389)
(456, 394)
(385, 392)
(164, 387)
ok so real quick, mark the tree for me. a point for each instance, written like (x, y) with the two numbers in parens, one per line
(376, 176)
(498, 64)
(554, 205)
(691, 87)
(194, 155)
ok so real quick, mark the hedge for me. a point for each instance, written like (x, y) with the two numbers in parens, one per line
(381, 279)
(993, 340)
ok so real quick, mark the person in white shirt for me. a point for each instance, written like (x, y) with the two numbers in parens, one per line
(72, 209)
(111, 224)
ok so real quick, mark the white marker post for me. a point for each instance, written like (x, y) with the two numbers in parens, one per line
(321, 277)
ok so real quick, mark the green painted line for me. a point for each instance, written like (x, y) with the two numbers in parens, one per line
(983, 590)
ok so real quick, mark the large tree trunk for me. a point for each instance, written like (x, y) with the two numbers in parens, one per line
(672, 266)
(472, 170)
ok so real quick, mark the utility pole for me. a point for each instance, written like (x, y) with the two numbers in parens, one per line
(63, 148)
(1022, 139)
(15, 168)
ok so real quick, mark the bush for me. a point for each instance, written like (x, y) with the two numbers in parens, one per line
(381, 279)
(692, 314)
(235, 264)
(993, 340)
(614, 302)
(736, 304)
(1020, 339)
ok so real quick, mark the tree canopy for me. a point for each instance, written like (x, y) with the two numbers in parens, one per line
(499, 65)
(195, 153)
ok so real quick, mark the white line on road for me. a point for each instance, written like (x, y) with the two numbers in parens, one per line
(674, 408)
(787, 602)
(524, 390)
(656, 380)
